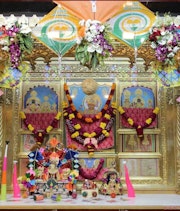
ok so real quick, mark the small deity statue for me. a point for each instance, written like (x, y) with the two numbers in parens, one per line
(111, 183)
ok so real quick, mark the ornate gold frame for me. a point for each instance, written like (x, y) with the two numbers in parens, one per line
(123, 58)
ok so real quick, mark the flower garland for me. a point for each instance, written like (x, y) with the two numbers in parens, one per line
(84, 118)
(40, 135)
(16, 38)
(89, 140)
(165, 37)
(139, 128)
(94, 43)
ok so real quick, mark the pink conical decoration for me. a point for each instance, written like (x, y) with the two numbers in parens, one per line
(16, 188)
(130, 188)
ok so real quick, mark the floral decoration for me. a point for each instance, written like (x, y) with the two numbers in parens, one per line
(39, 135)
(139, 128)
(165, 40)
(89, 140)
(15, 38)
(93, 44)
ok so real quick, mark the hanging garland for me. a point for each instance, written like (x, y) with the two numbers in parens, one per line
(139, 128)
(89, 140)
(84, 118)
(40, 135)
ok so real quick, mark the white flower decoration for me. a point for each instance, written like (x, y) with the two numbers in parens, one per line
(25, 29)
(177, 21)
(23, 20)
(2, 21)
(33, 21)
(95, 45)
(11, 21)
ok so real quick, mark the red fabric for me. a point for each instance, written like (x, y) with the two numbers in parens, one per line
(40, 121)
(139, 116)
(90, 171)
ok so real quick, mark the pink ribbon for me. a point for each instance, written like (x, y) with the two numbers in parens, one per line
(91, 141)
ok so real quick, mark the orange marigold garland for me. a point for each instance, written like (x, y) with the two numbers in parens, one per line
(40, 135)
(139, 128)
(83, 117)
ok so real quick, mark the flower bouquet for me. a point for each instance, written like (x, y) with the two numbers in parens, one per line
(165, 40)
(15, 38)
(93, 43)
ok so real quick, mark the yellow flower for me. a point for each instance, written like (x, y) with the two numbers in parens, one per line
(30, 127)
(77, 126)
(86, 134)
(49, 128)
(74, 135)
(64, 104)
(156, 110)
(71, 116)
(106, 133)
(130, 121)
(148, 121)
(65, 113)
(102, 125)
(107, 116)
(92, 135)
(121, 110)
(58, 116)
(113, 105)
(22, 114)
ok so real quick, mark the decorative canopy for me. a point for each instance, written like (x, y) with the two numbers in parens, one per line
(94, 10)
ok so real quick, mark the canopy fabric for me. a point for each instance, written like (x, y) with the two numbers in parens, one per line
(94, 10)
(132, 23)
(57, 30)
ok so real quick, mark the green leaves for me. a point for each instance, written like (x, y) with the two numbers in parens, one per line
(86, 58)
(25, 42)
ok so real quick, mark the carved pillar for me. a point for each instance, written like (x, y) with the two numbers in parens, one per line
(178, 150)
